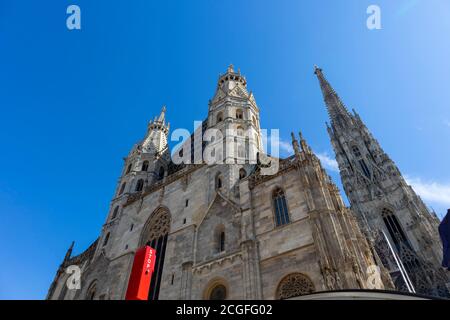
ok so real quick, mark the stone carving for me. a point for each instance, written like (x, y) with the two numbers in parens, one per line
(294, 285)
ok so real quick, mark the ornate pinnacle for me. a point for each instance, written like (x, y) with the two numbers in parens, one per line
(295, 144)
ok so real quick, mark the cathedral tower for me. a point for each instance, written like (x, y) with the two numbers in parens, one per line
(385, 205)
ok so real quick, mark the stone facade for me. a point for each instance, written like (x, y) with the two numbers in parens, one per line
(384, 204)
(226, 230)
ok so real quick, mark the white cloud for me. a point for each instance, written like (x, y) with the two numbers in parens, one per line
(431, 191)
(286, 146)
(328, 162)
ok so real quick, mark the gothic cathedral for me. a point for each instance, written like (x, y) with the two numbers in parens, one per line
(230, 230)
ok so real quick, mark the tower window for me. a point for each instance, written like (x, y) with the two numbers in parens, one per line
(254, 121)
(140, 185)
(122, 188)
(240, 131)
(242, 173)
(356, 151)
(219, 235)
(219, 181)
(239, 114)
(116, 210)
(364, 168)
(222, 242)
(128, 169)
(161, 173)
(394, 228)
(187, 202)
(145, 166)
(219, 117)
(105, 242)
(280, 207)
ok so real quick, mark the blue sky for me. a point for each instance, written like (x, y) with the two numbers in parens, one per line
(74, 102)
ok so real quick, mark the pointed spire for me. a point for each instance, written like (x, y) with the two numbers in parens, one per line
(304, 144)
(69, 251)
(336, 109)
(162, 115)
(230, 68)
(295, 144)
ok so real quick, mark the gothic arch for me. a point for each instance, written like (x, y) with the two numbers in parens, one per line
(91, 293)
(210, 292)
(155, 234)
(158, 224)
(280, 206)
(294, 285)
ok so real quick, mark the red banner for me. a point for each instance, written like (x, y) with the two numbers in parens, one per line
(141, 274)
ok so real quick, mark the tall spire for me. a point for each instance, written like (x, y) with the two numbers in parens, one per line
(162, 115)
(69, 252)
(295, 144)
(336, 109)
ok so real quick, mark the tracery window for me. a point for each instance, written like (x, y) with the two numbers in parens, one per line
(280, 207)
(294, 285)
(155, 234)
(239, 114)
(145, 166)
(394, 228)
(356, 151)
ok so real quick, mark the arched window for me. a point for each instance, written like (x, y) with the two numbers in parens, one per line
(280, 207)
(219, 117)
(155, 234)
(361, 161)
(219, 292)
(128, 169)
(239, 114)
(356, 151)
(240, 131)
(394, 228)
(294, 285)
(145, 166)
(122, 188)
(161, 173)
(139, 185)
(242, 173)
(105, 242)
(219, 182)
(116, 210)
(91, 292)
(222, 241)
